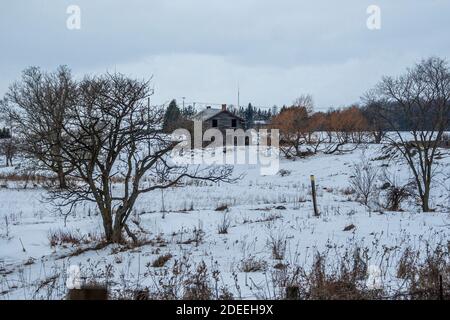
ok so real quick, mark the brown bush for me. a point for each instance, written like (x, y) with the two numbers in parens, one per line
(161, 260)
(427, 279)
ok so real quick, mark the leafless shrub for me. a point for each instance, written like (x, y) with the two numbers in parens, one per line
(5, 217)
(395, 196)
(396, 193)
(333, 285)
(284, 172)
(280, 266)
(187, 281)
(364, 180)
(197, 237)
(327, 282)
(69, 237)
(224, 224)
(253, 264)
(348, 191)
(342, 277)
(277, 243)
(407, 263)
(61, 237)
(161, 260)
(428, 278)
(266, 218)
(197, 285)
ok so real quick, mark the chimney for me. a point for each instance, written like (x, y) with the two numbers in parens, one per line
(224, 107)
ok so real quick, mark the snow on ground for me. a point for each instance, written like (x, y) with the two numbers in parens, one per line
(259, 208)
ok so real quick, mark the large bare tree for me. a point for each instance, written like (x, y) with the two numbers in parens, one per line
(421, 99)
(118, 151)
(36, 108)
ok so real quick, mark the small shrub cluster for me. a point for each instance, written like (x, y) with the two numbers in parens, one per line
(253, 264)
(66, 237)
(224, 224)
(284, 172)
(428, 278)
(161, 260)
(188, 282)
(277, 244)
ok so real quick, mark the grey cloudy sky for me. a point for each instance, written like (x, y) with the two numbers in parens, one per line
(202, 49)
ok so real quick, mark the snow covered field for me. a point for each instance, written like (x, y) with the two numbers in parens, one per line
(261, 211)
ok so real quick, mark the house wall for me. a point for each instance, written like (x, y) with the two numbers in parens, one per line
(223, 122)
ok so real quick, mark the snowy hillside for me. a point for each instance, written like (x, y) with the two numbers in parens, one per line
(253, 232)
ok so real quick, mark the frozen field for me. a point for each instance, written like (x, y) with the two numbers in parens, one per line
(261, 211)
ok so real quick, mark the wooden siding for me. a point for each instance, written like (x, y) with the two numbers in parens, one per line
(224, 121)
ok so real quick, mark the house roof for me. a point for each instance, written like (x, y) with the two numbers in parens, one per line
(208, 113)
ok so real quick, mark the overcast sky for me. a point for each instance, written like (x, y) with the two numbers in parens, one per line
(202, 49)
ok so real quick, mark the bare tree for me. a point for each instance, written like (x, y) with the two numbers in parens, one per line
(119, 152)
(421, 97)
(305, 101)
(292, 123)
(364, 180)
(345, 129)
(36, 106)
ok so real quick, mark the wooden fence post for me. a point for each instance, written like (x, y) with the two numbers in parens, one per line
(313, 193)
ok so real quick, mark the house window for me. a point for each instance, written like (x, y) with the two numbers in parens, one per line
(214, 123)
(233, 123)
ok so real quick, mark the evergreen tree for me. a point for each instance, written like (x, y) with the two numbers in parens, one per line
(249, 116)
(172, 117)
(188, 112)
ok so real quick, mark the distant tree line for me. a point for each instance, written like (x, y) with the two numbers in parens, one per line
(176, 117)
(250, 114)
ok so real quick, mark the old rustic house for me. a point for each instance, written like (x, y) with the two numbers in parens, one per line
(221, 119)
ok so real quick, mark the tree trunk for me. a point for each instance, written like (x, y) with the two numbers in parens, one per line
(425, 200)
(378, 135)
(107, 225)
(113, 232)
(117, 234)
(61, 176)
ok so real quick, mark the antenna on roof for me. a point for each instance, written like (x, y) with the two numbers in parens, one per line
(238, 96)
